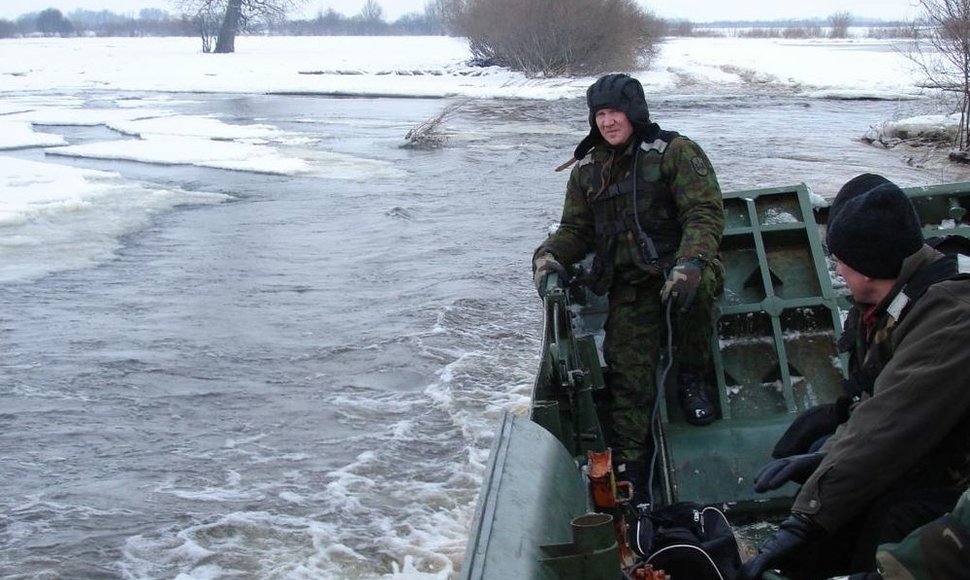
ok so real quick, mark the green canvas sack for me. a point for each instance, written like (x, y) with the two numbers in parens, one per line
(940, 550)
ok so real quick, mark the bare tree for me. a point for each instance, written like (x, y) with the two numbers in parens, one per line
(236, 16)
(450, 13)
(8, 29)
(839, 24)
(371, 18)
(205, 16)
(372, 11)
(434, 10)
(942, 52)
(51, 22)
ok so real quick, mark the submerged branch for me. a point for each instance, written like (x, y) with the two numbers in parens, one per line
(427, 134)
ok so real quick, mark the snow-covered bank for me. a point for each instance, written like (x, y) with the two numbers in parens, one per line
(437, 67)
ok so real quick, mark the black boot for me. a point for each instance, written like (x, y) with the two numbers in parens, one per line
(694, 398)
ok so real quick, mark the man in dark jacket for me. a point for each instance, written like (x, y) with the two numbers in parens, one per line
(901, 457)
(647, 203)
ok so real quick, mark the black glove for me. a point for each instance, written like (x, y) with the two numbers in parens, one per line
(792, 536)
(543, 265)
(682, 283)
(810, 426)
(796, 468)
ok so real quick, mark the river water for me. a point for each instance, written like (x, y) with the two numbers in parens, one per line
(303, 381)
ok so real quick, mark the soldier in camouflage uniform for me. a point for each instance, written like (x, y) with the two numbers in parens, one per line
(655, 241)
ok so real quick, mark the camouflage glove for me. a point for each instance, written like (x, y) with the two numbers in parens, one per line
(682, 283)
(792, 536)
(542, 266)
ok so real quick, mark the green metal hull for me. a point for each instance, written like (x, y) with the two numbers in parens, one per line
(532, 492)
(774, 356)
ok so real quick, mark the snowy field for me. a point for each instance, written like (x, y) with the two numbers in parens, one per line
(435, 67)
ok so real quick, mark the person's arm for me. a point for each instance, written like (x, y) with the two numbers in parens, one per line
(696, 192)
(919, 398)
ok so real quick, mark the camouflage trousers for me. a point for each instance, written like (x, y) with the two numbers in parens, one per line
(636, 330)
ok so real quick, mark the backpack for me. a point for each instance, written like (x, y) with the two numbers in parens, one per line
(687, 541)
(940, 550)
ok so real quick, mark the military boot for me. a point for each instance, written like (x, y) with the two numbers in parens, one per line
(693, 391)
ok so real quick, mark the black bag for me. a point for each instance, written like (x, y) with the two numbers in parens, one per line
(688, 542)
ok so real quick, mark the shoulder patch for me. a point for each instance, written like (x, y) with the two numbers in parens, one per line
(700, 166)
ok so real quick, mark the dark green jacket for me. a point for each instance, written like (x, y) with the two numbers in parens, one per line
(914, 430)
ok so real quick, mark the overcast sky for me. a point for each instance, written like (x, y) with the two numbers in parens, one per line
(694, 10)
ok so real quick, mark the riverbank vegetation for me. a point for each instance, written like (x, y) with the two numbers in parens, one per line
(558, 37)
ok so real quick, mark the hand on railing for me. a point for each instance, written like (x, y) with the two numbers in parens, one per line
(548, 273)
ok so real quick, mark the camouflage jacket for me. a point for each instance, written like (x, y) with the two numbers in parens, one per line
(678, 205)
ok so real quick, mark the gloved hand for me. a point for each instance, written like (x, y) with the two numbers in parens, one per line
(810, 426)
(543, 265)
(793, 535)
(682, 283)
(795, 468)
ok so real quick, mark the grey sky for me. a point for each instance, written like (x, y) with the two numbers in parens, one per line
(695, 10)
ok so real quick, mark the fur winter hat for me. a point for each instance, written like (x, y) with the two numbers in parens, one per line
(872, 226)
(615, 91)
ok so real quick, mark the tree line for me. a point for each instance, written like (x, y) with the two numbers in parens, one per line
(438, 18)
(188, 22)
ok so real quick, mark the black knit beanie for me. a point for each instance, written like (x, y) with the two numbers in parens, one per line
(623, 93)
(872, 227)
(855, 186)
